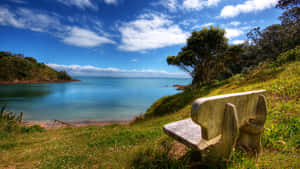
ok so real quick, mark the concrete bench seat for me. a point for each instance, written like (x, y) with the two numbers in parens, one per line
(221, 122)
(189, 133)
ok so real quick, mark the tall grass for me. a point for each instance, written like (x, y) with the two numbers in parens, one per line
(10, 124)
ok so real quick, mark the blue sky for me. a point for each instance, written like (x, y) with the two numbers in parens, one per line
(121, 37)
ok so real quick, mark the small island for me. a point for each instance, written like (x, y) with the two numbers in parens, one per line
(16, 68)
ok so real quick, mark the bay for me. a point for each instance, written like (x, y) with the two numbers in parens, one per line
(93, 98)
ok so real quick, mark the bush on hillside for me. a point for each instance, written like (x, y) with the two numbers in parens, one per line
(10, 125)
(291, 55)
(8, 121)
(32, 129)
(62, 75)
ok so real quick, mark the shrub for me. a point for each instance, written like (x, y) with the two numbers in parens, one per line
(8, 121)
(62, 75)
(32, 129)
(290, 55)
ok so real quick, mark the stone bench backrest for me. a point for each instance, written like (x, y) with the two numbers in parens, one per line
(209, 112)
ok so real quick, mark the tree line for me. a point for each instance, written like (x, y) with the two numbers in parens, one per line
(208, 56)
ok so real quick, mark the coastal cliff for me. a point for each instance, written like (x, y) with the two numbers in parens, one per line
(15, 68)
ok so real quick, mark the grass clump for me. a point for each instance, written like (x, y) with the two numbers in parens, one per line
(10, 125)
(9, 122)
(157, 156)
(32, 129)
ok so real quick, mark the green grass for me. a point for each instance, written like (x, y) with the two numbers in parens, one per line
(144, 145)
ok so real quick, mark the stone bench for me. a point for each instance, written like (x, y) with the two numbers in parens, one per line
(221, 122)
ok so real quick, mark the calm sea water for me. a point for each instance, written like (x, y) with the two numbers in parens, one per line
(90, 99)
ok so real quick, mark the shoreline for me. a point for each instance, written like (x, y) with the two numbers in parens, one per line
(37, 81)
(181, 87)
(56, 124)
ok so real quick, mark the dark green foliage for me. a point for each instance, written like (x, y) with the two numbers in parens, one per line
(17, 68)
(272, 41)
(286, 4)
(290, 17)
(278, 38)
(205, 55)
(32, 129)
(62, 75)
(291, 55)
(8, 122)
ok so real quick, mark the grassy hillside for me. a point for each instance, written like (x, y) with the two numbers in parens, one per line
(16, 68)
(143, 143)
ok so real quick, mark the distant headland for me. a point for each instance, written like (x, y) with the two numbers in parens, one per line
(18, 69)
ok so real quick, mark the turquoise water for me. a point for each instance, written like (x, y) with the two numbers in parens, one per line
(102, 99)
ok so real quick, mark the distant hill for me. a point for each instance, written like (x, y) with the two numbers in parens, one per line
(15, 68)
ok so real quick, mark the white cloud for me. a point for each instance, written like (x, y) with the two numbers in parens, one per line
(82, 4)
(27, 19)
(134, 60)
(85, 38)
(247, 7)
(199, 4)
(8, 18)
(232, 33)
(172, 5)
(203, 25)
(111, 2)
(42, 22)
(237, 42)
(235, 23)
(37, 21)
(151, 31)
(77, 70)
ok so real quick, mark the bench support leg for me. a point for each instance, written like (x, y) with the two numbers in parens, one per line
(230, 132)
(250, 133)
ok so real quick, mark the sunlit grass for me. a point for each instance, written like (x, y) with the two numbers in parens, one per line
(144, 145)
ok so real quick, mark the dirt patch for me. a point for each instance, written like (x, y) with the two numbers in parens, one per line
(178, 150)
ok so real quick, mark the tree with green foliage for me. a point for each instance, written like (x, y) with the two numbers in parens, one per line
(278, 38)
(286, 4)
(205, 55)
(270, 41)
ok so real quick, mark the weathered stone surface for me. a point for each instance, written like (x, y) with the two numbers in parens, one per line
(230, 131)
(250, 135)
(209, 112)
(185, 131)
(223, 121)
(189, 133)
